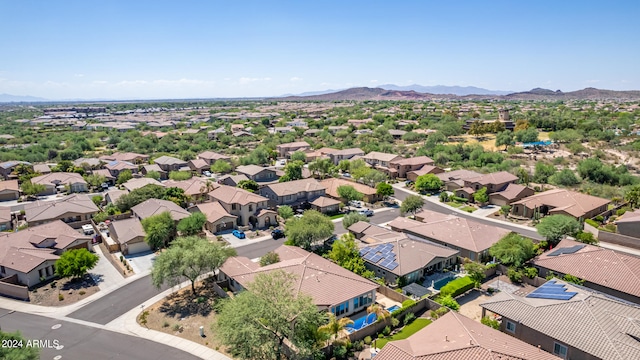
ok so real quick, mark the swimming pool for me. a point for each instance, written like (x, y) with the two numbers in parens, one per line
(442, 282)
(362, 322)
(393, 308)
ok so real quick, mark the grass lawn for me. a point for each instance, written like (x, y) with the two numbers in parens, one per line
(454, 204)
(468, 209)
(407, 331)
(336, 216)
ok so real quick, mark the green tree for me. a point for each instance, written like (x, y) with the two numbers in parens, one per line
(527, 135)
(20, 352)
(255, 324)
(586, 237)
(322, 167)
(564, 177)
(481, 196)
(385, 190)
(411, 204)
(177, 196)
(153, 175)
(428, 182)
(188, 258)
(349, 193)
(309, 229)
(95, 180)
(192, 224)
(523, 176)
(180, 175)
(159, 229)
(124, 176)
(269, 258)
(352, 218)
(475, 271)
(505, 138)
(137, 196)
(97, 199)
(513, 249)
(477, 129)
(373, 177)
(285, 212)
(345, 253)
(555, 227)
(248, 185)
(221, 167)
(75, 263)
(633, 196)
(292, 171)
(449, 302)
(31, 189)
(344, 165)
(543, 172)
(299, 156)
(335, 327)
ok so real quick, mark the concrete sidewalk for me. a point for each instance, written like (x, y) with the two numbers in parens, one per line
(105, 274)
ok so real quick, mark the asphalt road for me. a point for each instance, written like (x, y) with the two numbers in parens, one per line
(444, 209)
(118, 302)
(83, 342)
(377, 218)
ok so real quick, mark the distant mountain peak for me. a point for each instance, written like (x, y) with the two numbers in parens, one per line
(446, 90)
(7, 98)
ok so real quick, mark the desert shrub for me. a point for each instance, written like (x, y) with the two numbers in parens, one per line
(457, 199)
(176, 327)
(457, 286)
(367, 340)
(515, 275)
(586, 237)
(592, 223)
(449, 302)
(82, 292)
(621, 211)
(165, 324)
(340, 351)
(60, 297)
(408, 319)
(386, 331)
(441, 311)
(395, 322)
(490, 322)
(444, 197)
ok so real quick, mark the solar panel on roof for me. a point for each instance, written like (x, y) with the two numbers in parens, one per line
(567, 250)
(376, 258)
(385, 263)
(393, 265)
(364, 251)
(369, 256)
(553, 291)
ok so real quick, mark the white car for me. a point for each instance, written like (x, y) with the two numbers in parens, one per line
(87, 229)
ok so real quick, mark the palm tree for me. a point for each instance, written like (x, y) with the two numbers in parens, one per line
(381, 312)
(335, 327)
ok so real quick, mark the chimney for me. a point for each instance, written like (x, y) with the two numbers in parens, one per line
(446, 338)
(471, 342)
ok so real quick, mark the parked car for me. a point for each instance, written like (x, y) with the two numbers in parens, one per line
(206, 173)
(239, 234)
(277, 234)
(366, 212)
(87, 229)
(355, 203)
(346, 174)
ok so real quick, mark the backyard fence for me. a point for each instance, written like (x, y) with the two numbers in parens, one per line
(11, 287)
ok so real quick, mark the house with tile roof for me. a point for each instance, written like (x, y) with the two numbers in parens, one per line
(405, 165)
(137, 183)
(628, 224)
(510, 194)
(211, 157)
(471, 238)
(153, 207)
(455, 179)
(392, 255)
(455, 336)
(257, 173)
(332, 184)
(9, 190)
(198, 165)
(560, 201)
(196, 187)
(250, 209)
(426, 169)
(42, 169)
(608, 271)
(129, 235)
(126, 156)
(344, 154)
(170, 163)
(326, 205)
(146, 169)
(494, 182)
(59, 180)
(285, 150)
(382, 161)
(293, 193)
(570, 321)
(115, 167)
(70, 209)
(31, 253)
(7, 168)
(218, 219)
(332, 287)
(232, 180)
(6, 219)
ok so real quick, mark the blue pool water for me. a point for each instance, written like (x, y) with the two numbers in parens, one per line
(538, 143)
(393, 308)
(362, 322)
(442, 282)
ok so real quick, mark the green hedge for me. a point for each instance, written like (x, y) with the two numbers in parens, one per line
(457, 287)
(592, 223)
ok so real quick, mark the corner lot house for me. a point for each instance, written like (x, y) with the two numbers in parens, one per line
(129, 235)
(76, 208)
(382, 162)
(497, 181)
(560, 201)
(284, 150)
(572, 323)
(30, 254)
(153, 207)
(293, 193)
(391, 255)
(218, 219)
(471, 238)
(9, 190)
(454, 180)
(454, 336)
(331, 287)
(60, 180)
(332, 184)
(611, 272)
(249, 208)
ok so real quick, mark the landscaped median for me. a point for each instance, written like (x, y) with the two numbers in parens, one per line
(406, 331)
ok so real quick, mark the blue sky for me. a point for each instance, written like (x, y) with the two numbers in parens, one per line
(182, 49)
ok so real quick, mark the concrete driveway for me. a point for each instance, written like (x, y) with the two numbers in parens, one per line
(234, 242)
(141, 263)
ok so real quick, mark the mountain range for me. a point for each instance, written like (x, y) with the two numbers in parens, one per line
(444, 89)
(19, 98)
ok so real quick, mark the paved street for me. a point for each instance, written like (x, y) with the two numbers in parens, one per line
(379, 217)
(444, 209)
(84, 342)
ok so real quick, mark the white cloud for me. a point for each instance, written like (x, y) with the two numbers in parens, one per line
(295, 78)
(78, 75)
(592, 81)
(99, 82)
(248, 80)
(373, 81)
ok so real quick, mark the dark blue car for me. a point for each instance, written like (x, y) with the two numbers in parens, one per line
(239, 234)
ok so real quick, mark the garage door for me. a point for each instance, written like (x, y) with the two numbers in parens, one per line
(498, 201)
(224, 226)
(138, 247)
